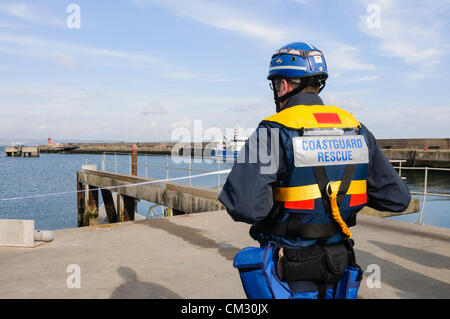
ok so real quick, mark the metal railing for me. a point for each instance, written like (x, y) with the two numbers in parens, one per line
(425, 184)
(147, 165)
(399, 162)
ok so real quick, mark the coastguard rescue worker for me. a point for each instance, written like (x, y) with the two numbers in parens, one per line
(324, 166)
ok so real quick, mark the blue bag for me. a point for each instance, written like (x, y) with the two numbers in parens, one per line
(257, 270)
(348, 285)
(258, 275)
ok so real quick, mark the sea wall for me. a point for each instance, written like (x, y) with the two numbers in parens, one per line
(415, 143)
(416, 152)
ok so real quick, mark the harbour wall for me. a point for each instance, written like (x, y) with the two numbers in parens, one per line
(157, 148)
(416, 152)
(422, 152)
(415, 143)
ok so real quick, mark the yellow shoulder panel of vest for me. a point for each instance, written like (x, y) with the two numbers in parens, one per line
(309, 116)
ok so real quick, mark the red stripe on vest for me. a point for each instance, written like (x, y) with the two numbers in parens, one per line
(327, 118)
(302, 204)
(358, 199)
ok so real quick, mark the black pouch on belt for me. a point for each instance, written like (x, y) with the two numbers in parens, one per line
(299, 264)
(316, 263)
(336, 259)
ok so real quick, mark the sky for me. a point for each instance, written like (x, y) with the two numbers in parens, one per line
(142, 70)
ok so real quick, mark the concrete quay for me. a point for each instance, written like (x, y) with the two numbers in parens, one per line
(155, 148)
(190, 256)
(420, 158)
(26, 151)
(415, 143)
(13, 151)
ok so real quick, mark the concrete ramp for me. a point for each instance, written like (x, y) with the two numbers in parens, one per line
(190, 256)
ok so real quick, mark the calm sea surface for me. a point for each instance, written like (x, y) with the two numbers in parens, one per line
(52, 173)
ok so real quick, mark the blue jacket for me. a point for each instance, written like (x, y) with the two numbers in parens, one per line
(248, 194)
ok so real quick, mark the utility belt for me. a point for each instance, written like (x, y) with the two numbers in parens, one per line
(324, 265)
(321, 264)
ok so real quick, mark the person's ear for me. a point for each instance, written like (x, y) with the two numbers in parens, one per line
(283, 87)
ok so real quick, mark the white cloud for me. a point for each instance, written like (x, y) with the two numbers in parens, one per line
(153, 109)
(222, 79)
(67, 54)
(63, 53)
(367, 78)
(413, 33)
(63, 59)
(43, 127)
(180, 75)
(185, 122)
(350, 104)
(130, 56)
(402, 122)
(37, 91)
(342, 57)
(21, 40)
(222, 16)
(7, 25)
(29, 13)
(18, 10)
(303, 1)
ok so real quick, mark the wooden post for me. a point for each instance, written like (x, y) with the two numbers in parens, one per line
(80, 203)
(91, 210)
(134, 160)
(109, 205)
(119, 208)
(129, 206)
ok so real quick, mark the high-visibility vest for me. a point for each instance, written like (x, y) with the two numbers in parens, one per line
(325, 185)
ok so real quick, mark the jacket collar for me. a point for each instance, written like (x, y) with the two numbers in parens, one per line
(303, 99)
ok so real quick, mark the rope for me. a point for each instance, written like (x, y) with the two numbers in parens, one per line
(337, 214)
(226, 171)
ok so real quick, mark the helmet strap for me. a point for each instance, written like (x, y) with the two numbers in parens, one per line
(303, 84)
(322, 85)
(283, 98)
(275, 97)
(279, 99)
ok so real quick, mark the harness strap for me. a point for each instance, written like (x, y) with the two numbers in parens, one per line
(323, 181)
(346, 182)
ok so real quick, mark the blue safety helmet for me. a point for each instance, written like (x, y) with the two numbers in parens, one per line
(297, 60)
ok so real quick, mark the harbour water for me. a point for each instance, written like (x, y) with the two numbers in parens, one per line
(437, 208)
(53, 173)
